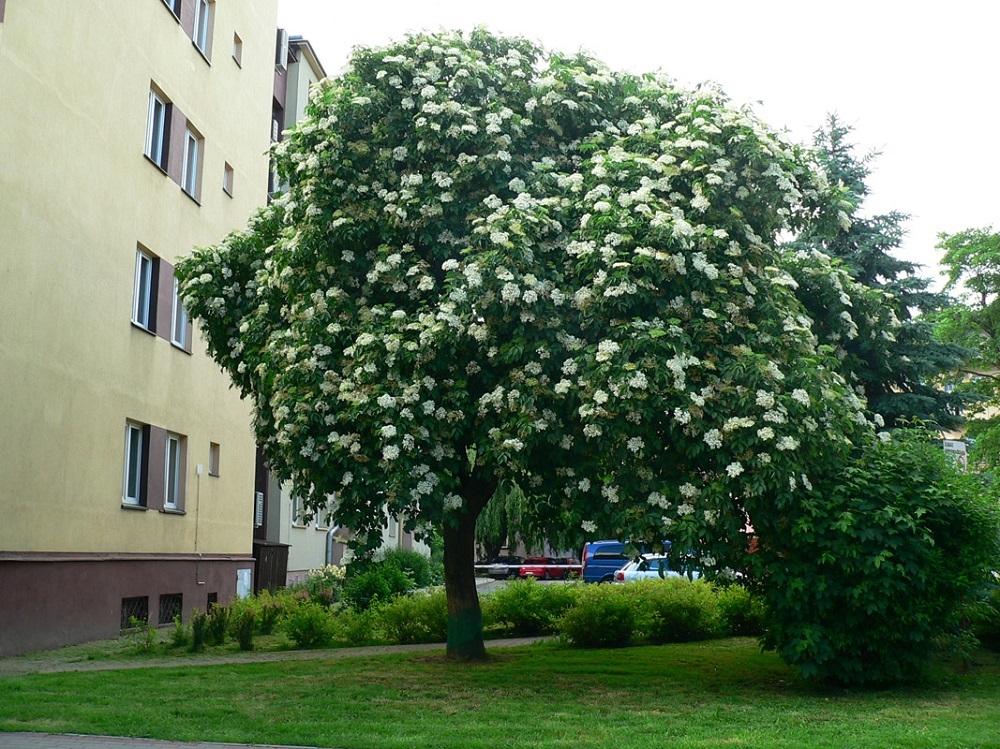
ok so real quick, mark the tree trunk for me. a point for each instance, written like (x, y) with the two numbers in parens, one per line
(465, 618)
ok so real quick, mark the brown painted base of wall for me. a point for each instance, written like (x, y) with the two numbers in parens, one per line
(51, 600)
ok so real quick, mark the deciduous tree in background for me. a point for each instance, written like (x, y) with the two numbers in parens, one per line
(495, 264)
(972, 263)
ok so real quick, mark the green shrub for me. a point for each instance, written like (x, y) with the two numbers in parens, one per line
(218, 624)
(742, 613)
(310, 625)
(379, 583)
(199, 631)
(867, 574)
(179, 635)
(526, 607)
(270, 608)
(604, 617)
(421, 617)
(985, 620)
(326, 584)
(143, 635)
(680, 610)
(415, 565)
(353, 627)
(243, 620)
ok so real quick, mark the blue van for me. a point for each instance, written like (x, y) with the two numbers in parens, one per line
(601, 559)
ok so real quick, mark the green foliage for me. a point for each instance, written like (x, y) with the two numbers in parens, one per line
(681, 610)
(986, 618)
(873, 568)
(526, 607)
(743, 614)
(972, 263)
(244, 621)
(217, 626)
(604, 617)
(888, 346)
(378, 583)
(352, 627)
(142, 634)
(180, 636)
(421, 617)
(310, 625)
(416, 566)
(270, 609)
(324, 585)
(567, 273)
(505, 521)
(199, 631)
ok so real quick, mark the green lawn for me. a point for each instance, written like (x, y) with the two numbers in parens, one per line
(716, 694)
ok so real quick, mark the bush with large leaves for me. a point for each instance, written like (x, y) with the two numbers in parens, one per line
(869, 573)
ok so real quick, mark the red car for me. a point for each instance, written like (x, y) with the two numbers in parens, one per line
(547, 568)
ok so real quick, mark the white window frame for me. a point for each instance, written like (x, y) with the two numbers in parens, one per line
(157, 126)
(228, 178)
(214, 457)
(192, 162)
(202, 25)
(298, 512)
(237, 49)
(173, 459)
(178, 320)
(143, 290)
(134, 447)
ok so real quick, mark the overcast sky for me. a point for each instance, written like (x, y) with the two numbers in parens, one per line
(918, 81)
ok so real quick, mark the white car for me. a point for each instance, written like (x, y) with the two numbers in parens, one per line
(649, 566)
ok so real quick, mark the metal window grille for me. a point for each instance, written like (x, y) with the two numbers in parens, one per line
(171, 605)
(134, 607)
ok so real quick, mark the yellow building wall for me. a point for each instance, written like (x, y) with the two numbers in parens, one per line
(78, 195)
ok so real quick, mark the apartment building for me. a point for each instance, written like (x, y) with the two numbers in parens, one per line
(130, 132)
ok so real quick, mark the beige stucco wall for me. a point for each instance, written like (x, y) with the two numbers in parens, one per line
(77, 196)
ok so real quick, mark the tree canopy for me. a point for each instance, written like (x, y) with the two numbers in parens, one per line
(972, 263)
(494, 263)
(893, 354)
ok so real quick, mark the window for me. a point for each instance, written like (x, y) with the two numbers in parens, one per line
(191, 172)
(227, 179)
(179, 324)
(171, 607)
(298, 511)
(158, 129)
(173, 475)
(144, 291)
(238, 49)
(134, 610)
(213, 458)
(202, 36)
(174, 5)
(136, 452)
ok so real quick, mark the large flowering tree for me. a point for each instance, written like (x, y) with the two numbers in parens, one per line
(491, 263)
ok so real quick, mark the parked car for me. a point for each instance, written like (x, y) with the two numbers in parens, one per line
(650, 566)
(549, 568)
(601, 559)
(500, 567)
(570, 568)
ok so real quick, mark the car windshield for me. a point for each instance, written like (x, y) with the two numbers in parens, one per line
(654, 565)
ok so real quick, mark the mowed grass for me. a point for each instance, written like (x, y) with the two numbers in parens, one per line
(716, 694)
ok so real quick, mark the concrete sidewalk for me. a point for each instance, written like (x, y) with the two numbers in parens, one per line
(74, 741)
